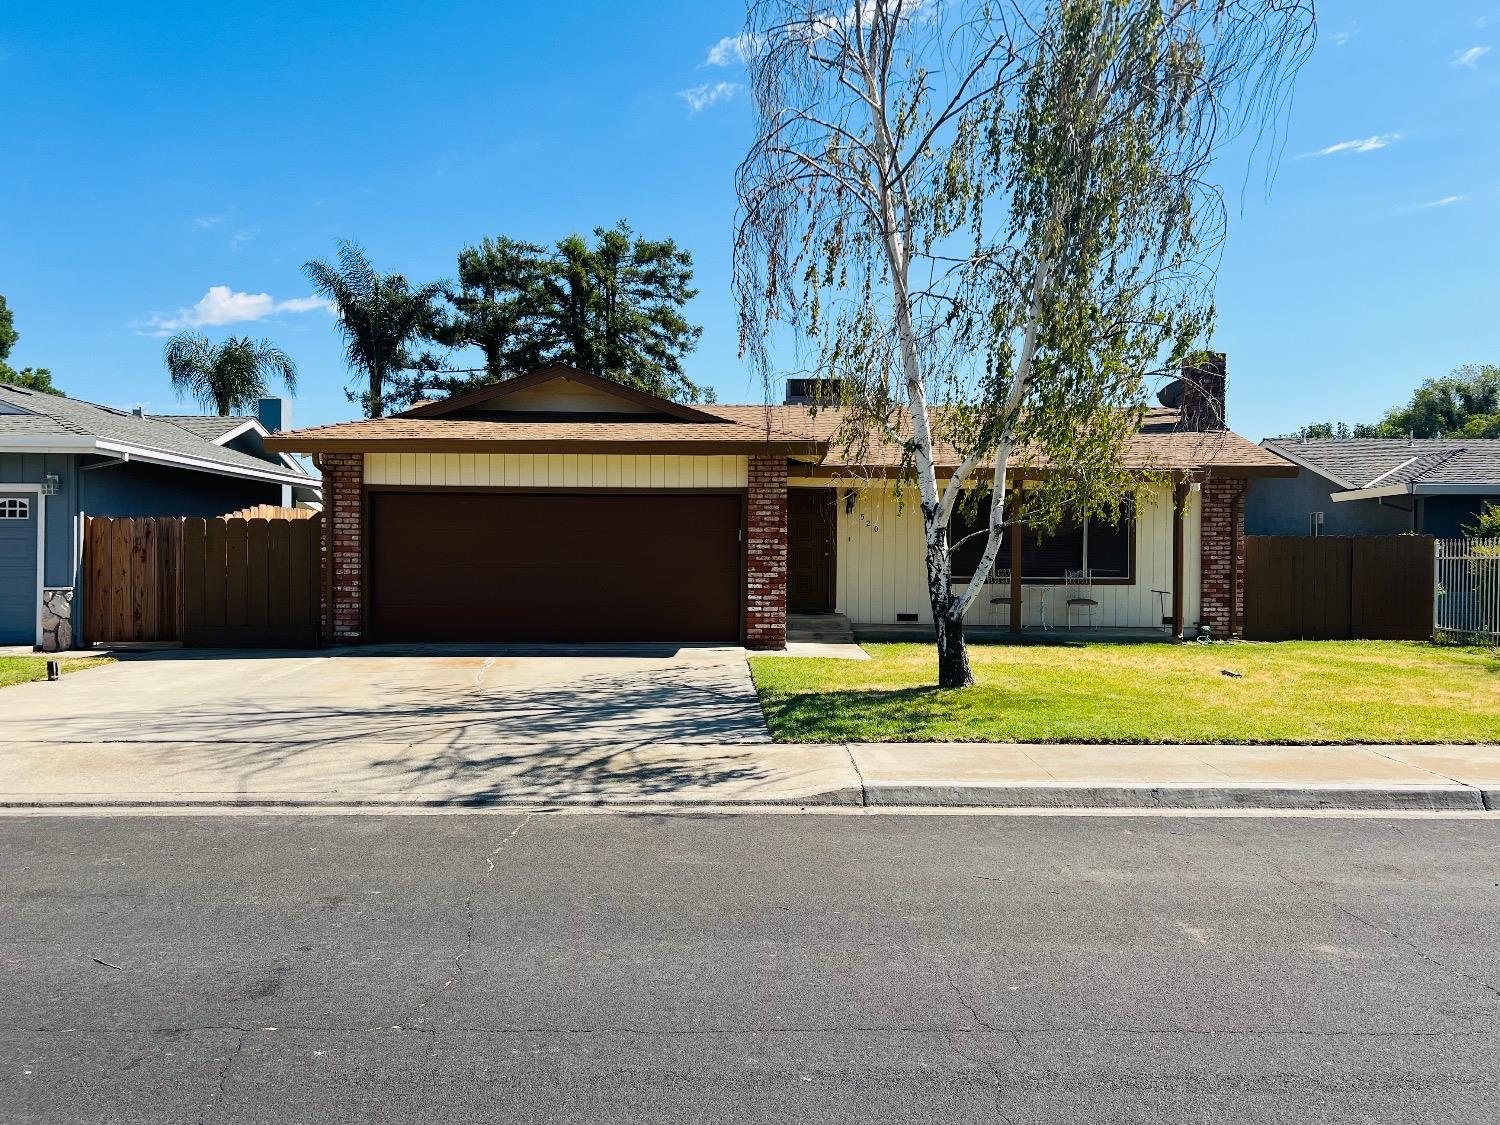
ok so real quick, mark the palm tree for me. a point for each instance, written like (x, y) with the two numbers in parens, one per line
(227, 377)
(380, 316)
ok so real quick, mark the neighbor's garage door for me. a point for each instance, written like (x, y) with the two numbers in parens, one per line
(554, 567)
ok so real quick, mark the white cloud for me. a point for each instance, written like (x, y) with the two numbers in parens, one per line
(203, 222)
(1365, 144)
(1470, 57)
(1341, 38)
(729, 51)
(1447, 200)
(701, 97)
(222, 305)
(242, 236)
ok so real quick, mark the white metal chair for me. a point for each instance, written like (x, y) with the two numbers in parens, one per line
(1079, 586)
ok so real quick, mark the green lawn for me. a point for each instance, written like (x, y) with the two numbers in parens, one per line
(1301, 691)
(24, 669)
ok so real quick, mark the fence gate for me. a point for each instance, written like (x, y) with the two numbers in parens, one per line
(1468, 588)
(132, 588)
(1338, 587)
(251, 583)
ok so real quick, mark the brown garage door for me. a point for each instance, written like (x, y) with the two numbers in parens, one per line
(554, 567)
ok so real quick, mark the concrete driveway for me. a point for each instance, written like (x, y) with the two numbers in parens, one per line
(456, 725)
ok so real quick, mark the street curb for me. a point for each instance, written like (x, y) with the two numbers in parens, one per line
(1430, 798)
(1412, 798)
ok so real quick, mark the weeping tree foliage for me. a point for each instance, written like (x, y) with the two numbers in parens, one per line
(982, 223)
(227, 378)
(612, 307)
(381, 317)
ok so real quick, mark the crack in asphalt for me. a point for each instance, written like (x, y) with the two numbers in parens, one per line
(1328, 900)
(223, 1085)
(468, 909)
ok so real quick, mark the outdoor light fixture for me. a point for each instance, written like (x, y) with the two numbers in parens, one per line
(50, 484)
(848, 501)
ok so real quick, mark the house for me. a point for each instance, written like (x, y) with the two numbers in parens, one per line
(1377, 486)
(62, 459)
(558, 506)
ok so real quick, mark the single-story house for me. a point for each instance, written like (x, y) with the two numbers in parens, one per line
(1377, 486)
(62, 459)
(559, 506)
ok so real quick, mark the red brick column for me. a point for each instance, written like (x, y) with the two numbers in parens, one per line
(765, 552)
(1222, 558)
(343, 505)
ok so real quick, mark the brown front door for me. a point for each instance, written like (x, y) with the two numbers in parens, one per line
(572, 567)
(809, 548)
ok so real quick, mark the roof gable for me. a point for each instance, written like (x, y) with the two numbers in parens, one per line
(558, 390)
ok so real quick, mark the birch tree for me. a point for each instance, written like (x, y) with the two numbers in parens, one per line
(983, 223)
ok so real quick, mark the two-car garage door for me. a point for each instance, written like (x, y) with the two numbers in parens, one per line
(568, 567)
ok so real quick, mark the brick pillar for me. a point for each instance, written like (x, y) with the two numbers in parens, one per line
(765, 552)
(1222, 558)
(343, 504)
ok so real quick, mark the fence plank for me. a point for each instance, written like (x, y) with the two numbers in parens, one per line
(216, 574)
(193, 548)
(96, 579)
(236, 595)
(257, 574)
(302, 573)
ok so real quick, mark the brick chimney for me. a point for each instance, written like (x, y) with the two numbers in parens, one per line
(1202, 395)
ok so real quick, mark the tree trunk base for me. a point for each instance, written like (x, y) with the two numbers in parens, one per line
(953, 656)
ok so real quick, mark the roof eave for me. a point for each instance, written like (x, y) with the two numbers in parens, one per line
(791, 448)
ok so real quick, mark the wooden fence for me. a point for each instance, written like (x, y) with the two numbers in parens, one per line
(1339, 587)
(227, 582)
(132, 578)
(270, 512)
(251, 583)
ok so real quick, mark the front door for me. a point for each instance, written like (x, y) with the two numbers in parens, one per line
(809, 550)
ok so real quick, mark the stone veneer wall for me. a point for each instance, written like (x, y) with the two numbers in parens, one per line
(57, 619)
(343, 480)
(1222, 547)
(765, 551)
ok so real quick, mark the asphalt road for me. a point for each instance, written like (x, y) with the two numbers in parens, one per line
(758, 968)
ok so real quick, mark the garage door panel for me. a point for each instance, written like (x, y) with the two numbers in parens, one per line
(555, 566)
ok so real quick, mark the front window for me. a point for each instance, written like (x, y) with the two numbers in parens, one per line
(1095, 544)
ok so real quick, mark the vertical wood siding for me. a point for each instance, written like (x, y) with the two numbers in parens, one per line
(555, 470)
(881, 571)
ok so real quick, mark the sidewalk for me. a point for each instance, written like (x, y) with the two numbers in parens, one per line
(967, 775)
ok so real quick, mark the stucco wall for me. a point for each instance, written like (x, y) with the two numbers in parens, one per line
(140, 489)
(881, 571)
(555, 470)
(1283, 505)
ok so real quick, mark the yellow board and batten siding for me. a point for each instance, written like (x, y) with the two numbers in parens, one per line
(554, 470)
(882, 573)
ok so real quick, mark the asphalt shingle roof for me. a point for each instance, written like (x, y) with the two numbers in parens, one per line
(1367, 462)
(1159, 445)
(53, 416)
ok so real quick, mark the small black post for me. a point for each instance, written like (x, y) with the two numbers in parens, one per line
(54, 670)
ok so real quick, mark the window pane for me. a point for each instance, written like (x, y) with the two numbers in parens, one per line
(1049, 557)
(966, 522)
(1109, 547)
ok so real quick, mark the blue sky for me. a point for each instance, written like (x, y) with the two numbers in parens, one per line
(166, 164)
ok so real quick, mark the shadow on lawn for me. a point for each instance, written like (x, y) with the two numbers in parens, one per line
(835, 716)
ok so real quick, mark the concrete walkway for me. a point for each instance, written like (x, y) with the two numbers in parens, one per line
(474, 774)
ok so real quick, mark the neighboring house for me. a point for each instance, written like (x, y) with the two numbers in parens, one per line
(62, 459)
(562, 507)
(1377, 486)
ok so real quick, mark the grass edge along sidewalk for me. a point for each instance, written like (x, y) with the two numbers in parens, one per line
(1296, 692)
(25, 669)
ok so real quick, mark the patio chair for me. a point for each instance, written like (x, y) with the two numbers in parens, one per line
(1079, 586)
(1001, 578)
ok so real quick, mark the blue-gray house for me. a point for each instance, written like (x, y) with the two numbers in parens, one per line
(62, 459)
(1376, 486)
